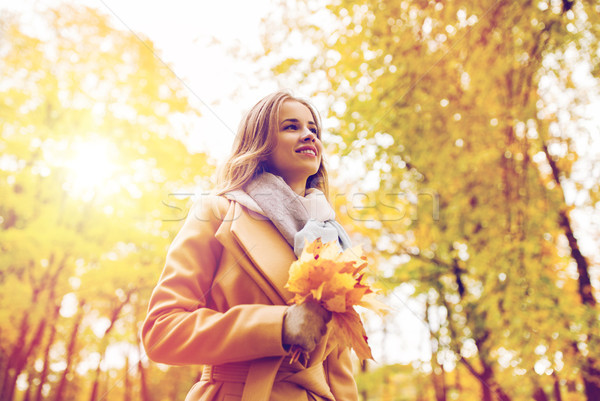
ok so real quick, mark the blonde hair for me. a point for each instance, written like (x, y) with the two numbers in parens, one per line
(255, 141)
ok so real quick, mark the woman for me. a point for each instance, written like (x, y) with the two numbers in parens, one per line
(221, 301)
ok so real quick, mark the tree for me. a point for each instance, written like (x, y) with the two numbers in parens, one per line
(447, 106)
(91, 149)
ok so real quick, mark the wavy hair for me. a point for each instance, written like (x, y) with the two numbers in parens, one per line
(255, 141)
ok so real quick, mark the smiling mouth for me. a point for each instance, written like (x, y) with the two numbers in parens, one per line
(308, 152)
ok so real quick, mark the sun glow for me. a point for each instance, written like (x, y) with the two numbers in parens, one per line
(91, 164)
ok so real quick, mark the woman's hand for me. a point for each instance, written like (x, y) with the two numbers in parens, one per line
(304, 325)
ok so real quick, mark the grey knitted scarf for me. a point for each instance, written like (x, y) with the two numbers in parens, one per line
(288, 212)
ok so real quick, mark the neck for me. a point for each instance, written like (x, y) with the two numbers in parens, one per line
(298, 187)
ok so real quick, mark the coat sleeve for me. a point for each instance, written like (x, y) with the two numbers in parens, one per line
(340, 377)
(179, 328)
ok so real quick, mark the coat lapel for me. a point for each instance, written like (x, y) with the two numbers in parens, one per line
(260, 241)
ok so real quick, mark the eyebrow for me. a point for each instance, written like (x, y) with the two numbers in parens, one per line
(295, 120)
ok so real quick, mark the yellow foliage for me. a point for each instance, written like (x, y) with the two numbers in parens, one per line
(336, 280)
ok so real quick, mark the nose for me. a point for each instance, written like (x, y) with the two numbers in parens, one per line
(309, 136)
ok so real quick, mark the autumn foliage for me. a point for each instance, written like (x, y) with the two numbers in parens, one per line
(462, 138)
(337, 281)
(464, 133)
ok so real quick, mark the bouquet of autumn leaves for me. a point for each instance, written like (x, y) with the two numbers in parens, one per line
(336, 280)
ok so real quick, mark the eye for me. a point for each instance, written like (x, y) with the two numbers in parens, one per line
(314, 131)
(291, 127)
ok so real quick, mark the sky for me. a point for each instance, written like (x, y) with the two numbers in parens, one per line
(183, 32)
(193, 38)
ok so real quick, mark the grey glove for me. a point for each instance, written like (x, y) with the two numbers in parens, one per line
(304, 325)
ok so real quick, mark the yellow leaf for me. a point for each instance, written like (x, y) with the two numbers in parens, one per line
(317, 294)
(370, 302)
(335, 279)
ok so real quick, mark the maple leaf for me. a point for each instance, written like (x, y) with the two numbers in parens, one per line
(335, 279)
(349, 331)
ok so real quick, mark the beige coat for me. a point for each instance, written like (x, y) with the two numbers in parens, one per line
(220, 300)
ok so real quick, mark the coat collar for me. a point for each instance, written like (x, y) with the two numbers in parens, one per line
(260, 242)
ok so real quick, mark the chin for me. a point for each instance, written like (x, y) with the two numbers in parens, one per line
(312, 172)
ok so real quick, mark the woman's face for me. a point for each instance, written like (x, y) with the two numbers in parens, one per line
(298, 151)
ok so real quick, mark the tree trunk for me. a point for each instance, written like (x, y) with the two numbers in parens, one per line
(439, 383)
(144, 394)
(540, 395)
(585, 286)
(127, 383)
(556, 389)
(590, 373)
(486, 378)
(458, 385)
(113, 318)
(488, 385)
(94, 393)
(486, 389)
(3, 369)
(44, 372)
(591, 380)
(437, 370)
(22, 350)
(7, 380)
(19, 360)
(70, 353)
(27, 395)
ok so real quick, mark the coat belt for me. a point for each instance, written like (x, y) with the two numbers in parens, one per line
(312, 379)
(230, 372)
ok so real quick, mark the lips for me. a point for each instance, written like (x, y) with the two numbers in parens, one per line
(307, 150)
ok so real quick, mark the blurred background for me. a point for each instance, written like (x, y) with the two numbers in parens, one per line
(463, 142)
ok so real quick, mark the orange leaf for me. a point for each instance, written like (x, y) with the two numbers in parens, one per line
(335, 279)
(350, 332)
(336, 303)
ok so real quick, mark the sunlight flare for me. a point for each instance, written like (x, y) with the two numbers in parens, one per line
(92, 165)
